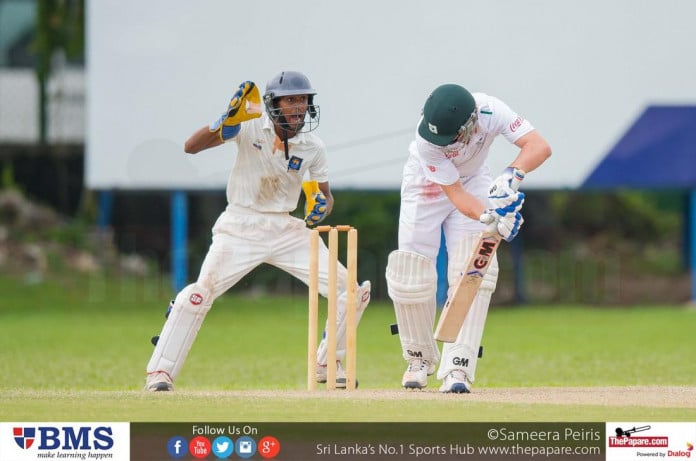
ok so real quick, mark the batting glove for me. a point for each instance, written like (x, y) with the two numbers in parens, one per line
(244, 105)
(506, 201)
(315, 204)
(508, 226)
(511, 177)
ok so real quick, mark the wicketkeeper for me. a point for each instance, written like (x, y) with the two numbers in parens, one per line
(447, 185)
(275, 151)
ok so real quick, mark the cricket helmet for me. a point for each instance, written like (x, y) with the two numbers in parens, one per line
(290, 83)
(449, 115)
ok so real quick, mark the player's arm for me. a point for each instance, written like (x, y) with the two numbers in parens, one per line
(505, 212)
(202, 139)
(465, 202)
(244, 105)
(534, 150)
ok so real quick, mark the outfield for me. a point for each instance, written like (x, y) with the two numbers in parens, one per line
(76, 351)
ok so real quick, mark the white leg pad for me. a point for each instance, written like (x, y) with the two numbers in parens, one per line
(412, 286)
(190, 308)
(363, 297)
(463, 353)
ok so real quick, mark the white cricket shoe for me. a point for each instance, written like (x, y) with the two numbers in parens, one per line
(158, 381)
(456, 382)
(340, 374)
(416, 375)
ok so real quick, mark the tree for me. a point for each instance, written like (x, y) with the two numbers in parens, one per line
(59, 29)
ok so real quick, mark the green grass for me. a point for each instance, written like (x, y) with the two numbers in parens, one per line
(77, 351)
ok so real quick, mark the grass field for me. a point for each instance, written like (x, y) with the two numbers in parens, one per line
(76, 351)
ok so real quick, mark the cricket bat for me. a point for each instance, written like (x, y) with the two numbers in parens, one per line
(458, 303)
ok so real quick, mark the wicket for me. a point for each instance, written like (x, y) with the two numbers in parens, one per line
(351, 305)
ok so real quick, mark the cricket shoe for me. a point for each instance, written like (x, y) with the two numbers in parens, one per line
(456, 382)
(158, 381)
(340, 375)
(416, 375)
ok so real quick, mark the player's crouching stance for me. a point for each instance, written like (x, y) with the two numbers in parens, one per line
(447, 187)
(275, 150)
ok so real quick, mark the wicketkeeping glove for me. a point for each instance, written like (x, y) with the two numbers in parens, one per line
(508, 226)
(316, 207)
(244, 105)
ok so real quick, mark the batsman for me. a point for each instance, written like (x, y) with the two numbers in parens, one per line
(276, 150)
(447, 187)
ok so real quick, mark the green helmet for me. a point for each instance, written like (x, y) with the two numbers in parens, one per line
(449, 115)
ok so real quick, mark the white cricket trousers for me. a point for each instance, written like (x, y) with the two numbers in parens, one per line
(244, 239)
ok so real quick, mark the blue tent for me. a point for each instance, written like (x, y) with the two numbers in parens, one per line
(657, 152)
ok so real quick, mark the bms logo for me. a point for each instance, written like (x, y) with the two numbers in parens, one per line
(65, 438)
(24, 436)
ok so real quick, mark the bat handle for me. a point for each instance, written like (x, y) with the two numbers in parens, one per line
(517, 177)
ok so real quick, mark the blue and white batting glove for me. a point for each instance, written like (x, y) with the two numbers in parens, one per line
(510, 177)
(506, 201)
(508, 226)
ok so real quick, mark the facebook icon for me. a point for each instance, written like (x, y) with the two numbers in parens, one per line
(177, 447)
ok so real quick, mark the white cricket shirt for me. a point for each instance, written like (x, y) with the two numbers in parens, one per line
(446, 165)
(262, 178)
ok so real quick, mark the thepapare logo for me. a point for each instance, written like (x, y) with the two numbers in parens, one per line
(460, 361)
(411, 353)
(67, 438)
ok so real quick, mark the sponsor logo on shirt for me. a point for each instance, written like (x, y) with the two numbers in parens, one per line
(516, 124)
(294, 163)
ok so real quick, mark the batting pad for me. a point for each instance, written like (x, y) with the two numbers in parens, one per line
(412, 286)
(462, 354)
(190, 308)
(363, 297)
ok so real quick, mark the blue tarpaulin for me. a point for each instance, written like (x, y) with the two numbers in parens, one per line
(658, 151)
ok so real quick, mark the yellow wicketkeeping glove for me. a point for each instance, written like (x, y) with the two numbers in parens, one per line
(244, 105)
(316, 206)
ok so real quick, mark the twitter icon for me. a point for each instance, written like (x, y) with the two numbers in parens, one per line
(223, 447)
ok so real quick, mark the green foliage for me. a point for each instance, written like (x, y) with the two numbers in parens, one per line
(577, 246)
(59, 28)
(632, 215)
(73, 233)
(7, 176)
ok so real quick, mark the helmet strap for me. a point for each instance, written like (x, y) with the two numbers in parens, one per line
(285, 145)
